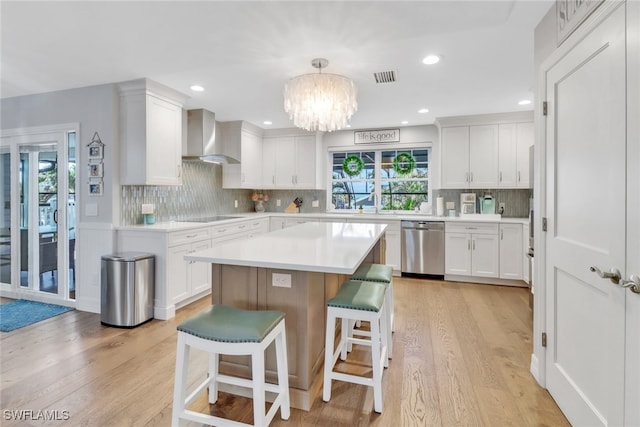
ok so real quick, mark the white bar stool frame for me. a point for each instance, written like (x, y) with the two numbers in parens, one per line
(215, 348)
(378, 343)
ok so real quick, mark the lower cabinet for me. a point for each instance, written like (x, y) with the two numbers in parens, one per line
(471, 249)
(511, 248)
(187, 278)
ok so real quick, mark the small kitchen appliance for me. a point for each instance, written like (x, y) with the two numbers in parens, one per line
(468, 203)
(487, 204)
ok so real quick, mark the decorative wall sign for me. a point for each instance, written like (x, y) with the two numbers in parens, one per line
(376, 136)
(352, 165)
(570, 14)
(96, 166)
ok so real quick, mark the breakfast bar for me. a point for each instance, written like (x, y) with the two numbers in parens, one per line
(294, 270)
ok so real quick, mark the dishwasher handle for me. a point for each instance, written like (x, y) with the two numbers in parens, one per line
(423, 225)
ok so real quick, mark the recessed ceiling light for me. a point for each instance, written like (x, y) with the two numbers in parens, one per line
(431, 59)
(404, 122)
(524, 102)
(196, 88)
(348, 126)
(267, 122)
(423, 110)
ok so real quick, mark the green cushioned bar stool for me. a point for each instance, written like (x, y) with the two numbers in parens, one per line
(226, 330)
(379, 273)
(357, 300)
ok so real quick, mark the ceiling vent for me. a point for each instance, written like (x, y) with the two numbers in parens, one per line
(385, 76)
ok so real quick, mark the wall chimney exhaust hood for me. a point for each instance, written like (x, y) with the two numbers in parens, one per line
(204, 141)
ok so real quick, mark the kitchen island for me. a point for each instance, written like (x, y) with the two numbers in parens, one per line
(294, 270)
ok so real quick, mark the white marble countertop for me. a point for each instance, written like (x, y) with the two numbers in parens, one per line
(185, 225)
(315, 246)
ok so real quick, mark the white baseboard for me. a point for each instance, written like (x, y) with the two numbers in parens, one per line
(535, 369)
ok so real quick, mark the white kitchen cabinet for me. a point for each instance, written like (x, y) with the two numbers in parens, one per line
(469, 156)
(276, 223)
(305, 164)
(239, 230)
(289, 162)
(514, 141)
(455, 157)
(457, 253)
(150, 134)
(471, 249)
(248, 173)
(187, 278)
(511, 246)
(392, 240)
(525, 252)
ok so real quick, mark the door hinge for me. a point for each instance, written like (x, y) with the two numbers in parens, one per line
(544, 108)
(544, 339)
(544, 224)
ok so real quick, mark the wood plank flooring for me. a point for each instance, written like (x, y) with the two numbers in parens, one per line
(461, 357)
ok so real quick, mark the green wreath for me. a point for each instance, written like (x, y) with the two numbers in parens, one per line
(352, 165)
(404, 163)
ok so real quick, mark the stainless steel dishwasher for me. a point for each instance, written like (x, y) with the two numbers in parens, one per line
(423, 248)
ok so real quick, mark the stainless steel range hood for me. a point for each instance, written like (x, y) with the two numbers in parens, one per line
(204, 141)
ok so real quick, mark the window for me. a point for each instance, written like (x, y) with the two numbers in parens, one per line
(400, 177)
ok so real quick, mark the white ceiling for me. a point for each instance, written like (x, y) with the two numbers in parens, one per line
(243, 52)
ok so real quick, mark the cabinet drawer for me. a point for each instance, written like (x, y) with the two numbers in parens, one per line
(258, 224)
(471, 227)
(229, 229)
(188, 236)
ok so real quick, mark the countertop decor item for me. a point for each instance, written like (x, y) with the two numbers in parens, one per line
(404, 163)
(323, 102)
(259, 198)
(352, 165)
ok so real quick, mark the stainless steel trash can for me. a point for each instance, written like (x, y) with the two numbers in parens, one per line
(127, 283)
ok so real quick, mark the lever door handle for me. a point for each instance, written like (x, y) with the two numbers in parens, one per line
(613, 274)
(633, 284)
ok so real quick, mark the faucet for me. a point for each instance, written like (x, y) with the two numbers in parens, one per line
(376, 200)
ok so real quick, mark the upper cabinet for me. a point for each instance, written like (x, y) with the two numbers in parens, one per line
(248, 173)
(289, 162)
(150, 133)
(514, 142)
(488, 151)
(469, 156)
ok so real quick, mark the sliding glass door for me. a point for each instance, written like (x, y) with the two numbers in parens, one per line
(42, 223)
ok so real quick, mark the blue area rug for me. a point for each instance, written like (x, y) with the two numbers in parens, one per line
(19, 313)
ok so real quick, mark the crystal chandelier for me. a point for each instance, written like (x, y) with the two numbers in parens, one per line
(323, 102)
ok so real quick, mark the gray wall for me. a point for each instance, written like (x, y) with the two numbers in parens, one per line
(95, 109)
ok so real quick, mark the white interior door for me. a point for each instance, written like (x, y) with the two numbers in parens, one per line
(632, 367)
(586, 179)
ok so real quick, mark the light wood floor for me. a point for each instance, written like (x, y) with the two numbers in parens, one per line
(461, 357)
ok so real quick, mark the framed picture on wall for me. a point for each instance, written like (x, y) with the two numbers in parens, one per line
(95, 188)
(96, 170)
(95, 152)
